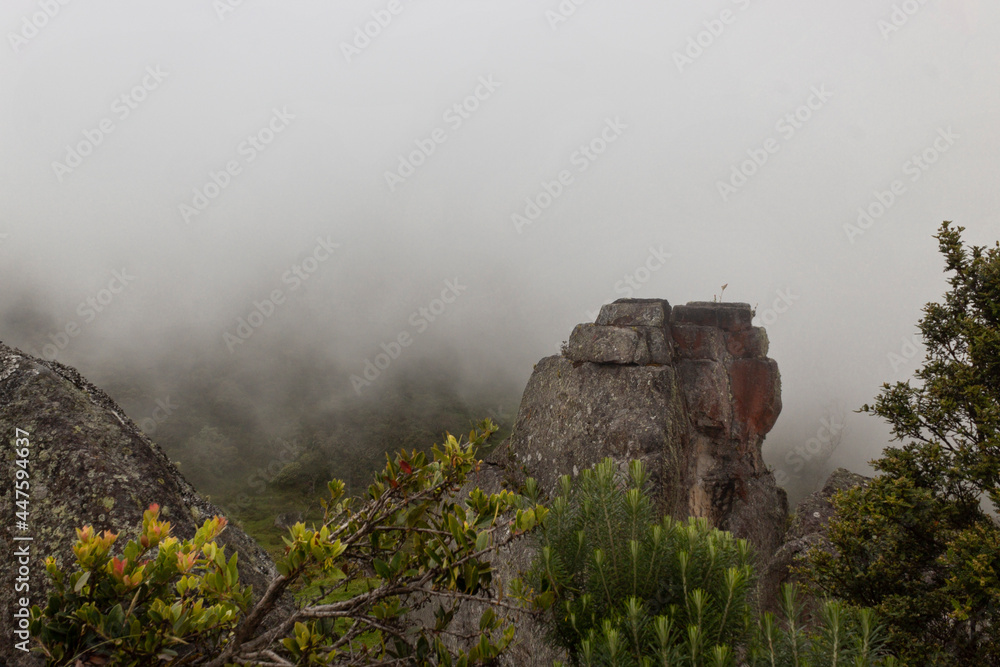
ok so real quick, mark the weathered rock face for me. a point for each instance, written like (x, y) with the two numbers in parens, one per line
(88, 464)
(689, 390)
(808, 529)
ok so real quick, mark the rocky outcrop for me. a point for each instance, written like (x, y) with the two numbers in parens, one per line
(689, 390)
(87, 463)
(808, 529)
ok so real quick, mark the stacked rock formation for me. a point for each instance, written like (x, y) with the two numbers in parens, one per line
(689, 390)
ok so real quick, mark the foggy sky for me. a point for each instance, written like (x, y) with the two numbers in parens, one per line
(621, 118)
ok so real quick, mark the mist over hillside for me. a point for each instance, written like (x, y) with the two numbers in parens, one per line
(335, 221)
(234, 424)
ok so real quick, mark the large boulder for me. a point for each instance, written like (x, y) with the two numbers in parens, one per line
(696, 411)
(88, 463)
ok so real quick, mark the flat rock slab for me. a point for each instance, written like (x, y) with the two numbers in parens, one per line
(607, 345)
(727, 316)
(635, 313)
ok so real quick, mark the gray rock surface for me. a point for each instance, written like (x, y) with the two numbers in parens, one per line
(730, 317)
(607, 345)
(88, 464)
(808, 529)
(635, 313)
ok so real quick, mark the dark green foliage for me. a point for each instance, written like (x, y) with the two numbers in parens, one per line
(618, 580)
(916, 544)
(265, 411)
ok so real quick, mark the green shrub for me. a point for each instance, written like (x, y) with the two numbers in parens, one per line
(618, 586)
(383, 580)
(614, 579)
(843, 635)
(162, 599)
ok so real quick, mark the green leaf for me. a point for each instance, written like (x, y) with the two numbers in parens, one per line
(81, 582)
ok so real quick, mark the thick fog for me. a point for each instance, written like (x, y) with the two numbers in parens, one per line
(295, 188)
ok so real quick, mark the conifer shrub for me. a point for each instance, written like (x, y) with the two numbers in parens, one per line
(839, 635)
(618, 585)
(615, 578)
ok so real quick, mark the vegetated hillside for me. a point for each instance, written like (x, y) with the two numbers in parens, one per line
(265, 444)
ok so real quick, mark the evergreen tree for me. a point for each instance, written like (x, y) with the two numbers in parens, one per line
(918, 544)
